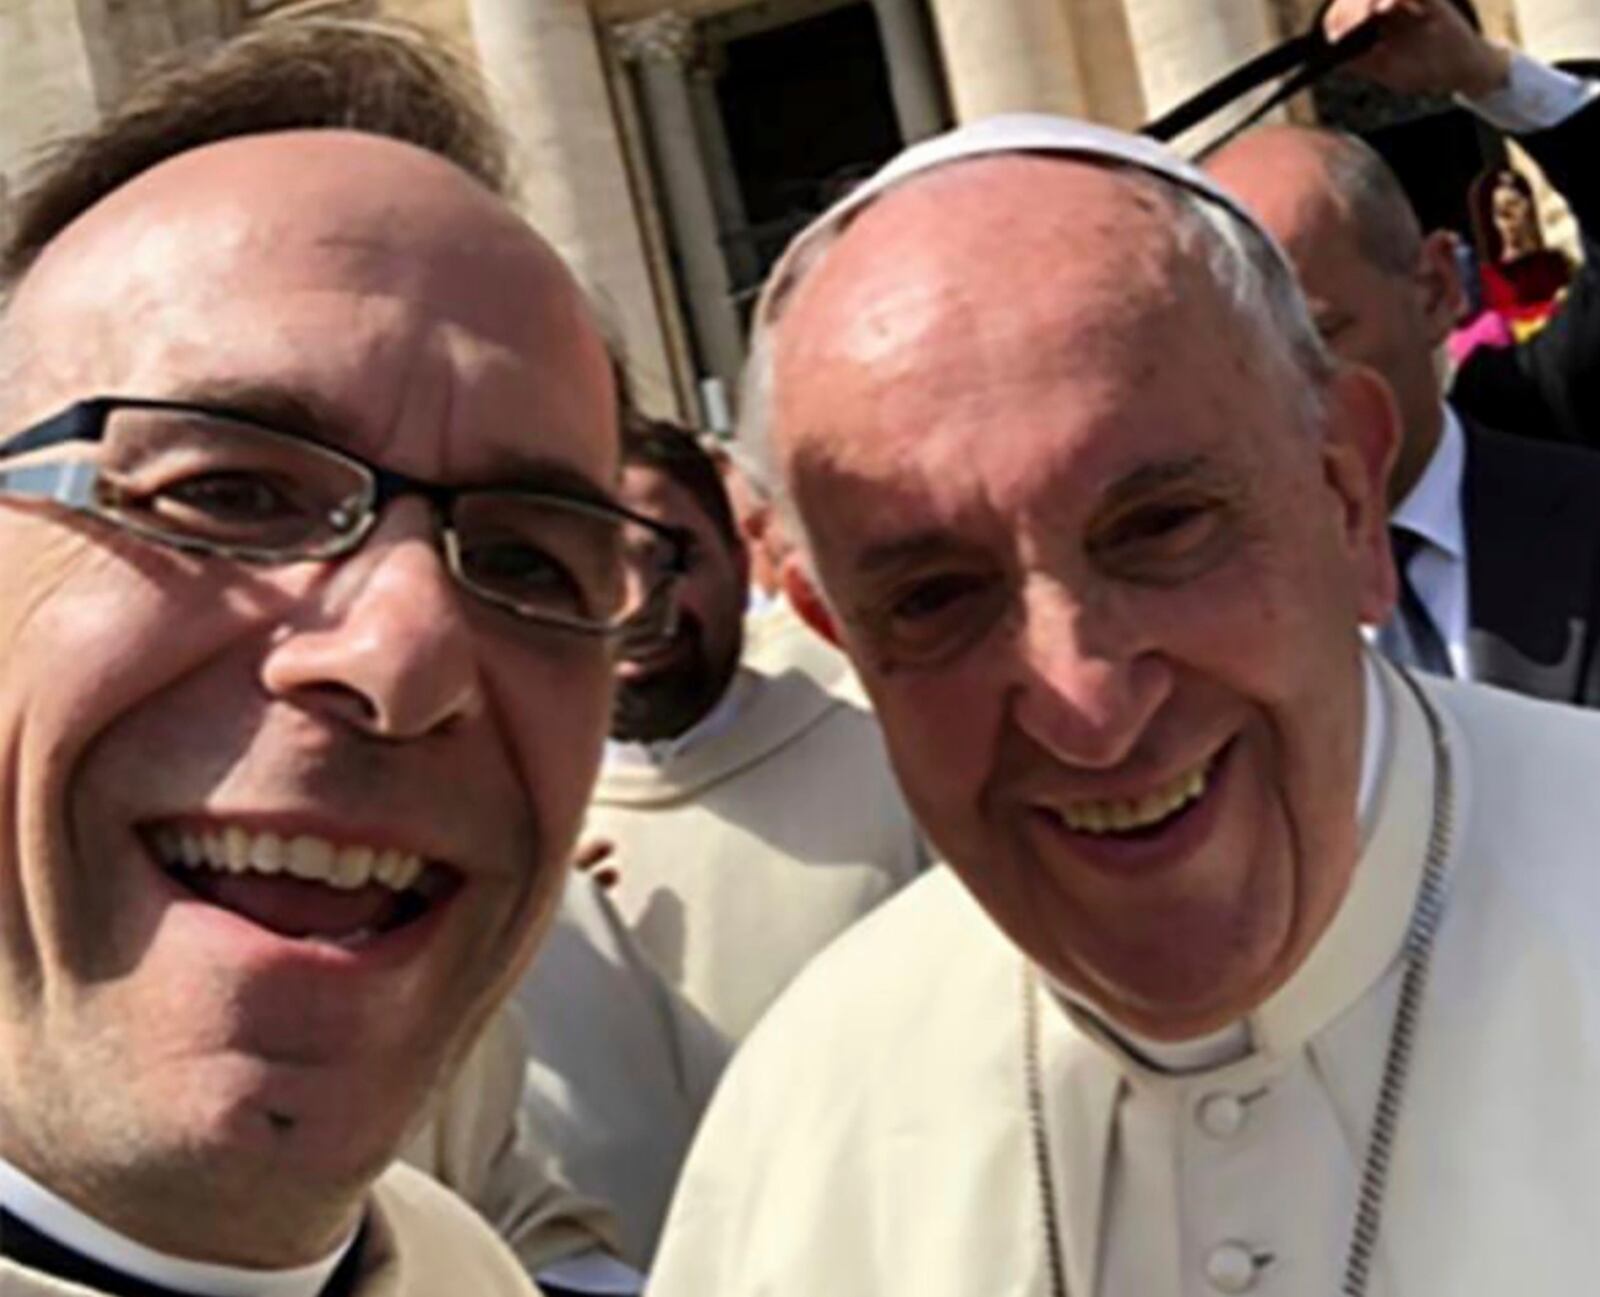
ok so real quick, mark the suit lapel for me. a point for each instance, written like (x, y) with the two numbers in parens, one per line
(1530, 564)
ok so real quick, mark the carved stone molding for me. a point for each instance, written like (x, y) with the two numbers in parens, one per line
(668, 38)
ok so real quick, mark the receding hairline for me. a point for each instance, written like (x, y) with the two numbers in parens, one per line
(343, 161)
(1148, 207)
(1257, 283)
(1361, 187)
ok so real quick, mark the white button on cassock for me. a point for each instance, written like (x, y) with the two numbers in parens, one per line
(1221, 1115)
(1231, 1268)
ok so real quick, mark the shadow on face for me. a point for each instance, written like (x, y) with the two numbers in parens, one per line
(283, 835)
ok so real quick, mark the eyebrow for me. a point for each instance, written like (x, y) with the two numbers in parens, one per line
(1148, 478)
(302, 414)
(903, 551)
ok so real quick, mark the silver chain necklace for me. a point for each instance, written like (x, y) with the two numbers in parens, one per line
(1425, 917)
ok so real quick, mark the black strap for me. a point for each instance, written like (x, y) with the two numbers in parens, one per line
(1301, 61)
(34, 1250)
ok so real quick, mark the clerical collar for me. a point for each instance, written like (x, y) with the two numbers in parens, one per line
(1233, 1042)
(34, 1205)
(717, 721)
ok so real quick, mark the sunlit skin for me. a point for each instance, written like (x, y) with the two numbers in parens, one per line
(1078, 538)
(668, 686)
(1369, 315)
(192, 1079)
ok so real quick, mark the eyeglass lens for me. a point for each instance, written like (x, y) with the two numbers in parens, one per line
(208, 482)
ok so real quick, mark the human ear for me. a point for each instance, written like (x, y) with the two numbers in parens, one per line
(800, 587)
(1360, 440)
(1439, 282)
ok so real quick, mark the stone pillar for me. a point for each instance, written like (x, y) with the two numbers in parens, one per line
(913, 68)
(542, 62)
(1016, 56)
(1182, 45)
(1558, 29)
(123, 39)
(47, 84)
(661, 49)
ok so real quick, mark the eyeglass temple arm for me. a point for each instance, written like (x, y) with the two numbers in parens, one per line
(84, 421)
(68, 484)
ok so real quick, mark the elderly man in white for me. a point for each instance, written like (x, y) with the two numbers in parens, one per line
(1260, 967)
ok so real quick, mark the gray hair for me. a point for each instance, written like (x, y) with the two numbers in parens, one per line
(1255, 278)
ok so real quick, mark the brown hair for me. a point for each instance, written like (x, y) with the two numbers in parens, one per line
(307, 74)
(1480, 204)
(675, 451)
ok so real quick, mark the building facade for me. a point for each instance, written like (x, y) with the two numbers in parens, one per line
(669, 147)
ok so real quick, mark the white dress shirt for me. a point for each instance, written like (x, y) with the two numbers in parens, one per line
(1438, 569)
(29, 1201)
(1535, 97)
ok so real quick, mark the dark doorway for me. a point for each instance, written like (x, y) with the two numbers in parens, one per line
(808, 112)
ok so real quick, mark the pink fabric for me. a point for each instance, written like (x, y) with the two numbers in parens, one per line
(1486, 329)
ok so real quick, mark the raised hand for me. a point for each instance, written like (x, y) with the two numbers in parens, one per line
(1425, 47)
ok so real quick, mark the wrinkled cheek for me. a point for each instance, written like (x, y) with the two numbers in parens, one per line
(90, 629)
(942, 747)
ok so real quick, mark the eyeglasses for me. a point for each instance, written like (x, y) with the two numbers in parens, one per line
(210, 481)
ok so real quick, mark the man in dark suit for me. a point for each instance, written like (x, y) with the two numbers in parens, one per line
(1497, 536)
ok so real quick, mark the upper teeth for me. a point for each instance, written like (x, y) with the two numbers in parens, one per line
(1124, 815)
(237, 850)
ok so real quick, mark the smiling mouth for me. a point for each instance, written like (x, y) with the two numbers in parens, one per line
(1141, 816)
(302, 886)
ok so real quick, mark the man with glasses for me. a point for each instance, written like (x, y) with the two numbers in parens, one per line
(312, 577)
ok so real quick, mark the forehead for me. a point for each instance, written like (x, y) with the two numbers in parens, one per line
(1004, 324)
(364, 277)
(656, 494)
(1282, 177)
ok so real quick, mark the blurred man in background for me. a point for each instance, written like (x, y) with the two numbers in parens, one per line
(1496, 534)
(754, 815)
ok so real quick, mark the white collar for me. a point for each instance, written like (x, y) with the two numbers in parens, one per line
(717, 721)
(1432, 508)
(30, 1202)
(1233, 1041)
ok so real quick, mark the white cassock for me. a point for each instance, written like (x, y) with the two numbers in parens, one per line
(877, 1135)
(567, 1125)
(618, 1071)
(477, 1143)
(743, 853)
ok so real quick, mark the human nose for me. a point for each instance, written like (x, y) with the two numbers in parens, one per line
(382, 645)
(1086, 686)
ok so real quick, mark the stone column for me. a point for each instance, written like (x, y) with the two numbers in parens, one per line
(123, 39)
(1016, 56)
(47, 82)
(913, 68)
(1556, 29)
(1181, 45)
(542, 62)
(661, 49)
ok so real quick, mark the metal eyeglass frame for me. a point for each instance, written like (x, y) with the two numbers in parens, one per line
(72, 485)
